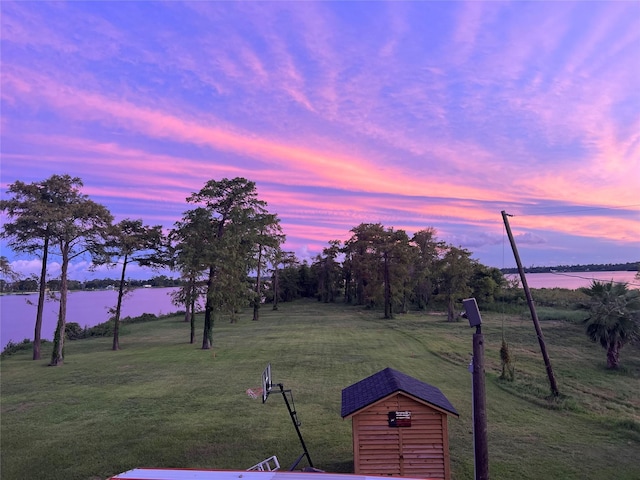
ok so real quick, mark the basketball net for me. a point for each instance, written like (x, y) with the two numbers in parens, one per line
(254, 393)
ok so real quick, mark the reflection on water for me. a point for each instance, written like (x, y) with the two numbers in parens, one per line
(18, 312)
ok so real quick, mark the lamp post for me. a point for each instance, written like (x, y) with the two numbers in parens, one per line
(480, 448)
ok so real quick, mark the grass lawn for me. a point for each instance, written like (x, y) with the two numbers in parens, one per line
(161, 402)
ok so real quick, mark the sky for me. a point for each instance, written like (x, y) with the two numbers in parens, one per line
(410, 114)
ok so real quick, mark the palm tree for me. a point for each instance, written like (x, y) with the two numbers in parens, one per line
(615, 317)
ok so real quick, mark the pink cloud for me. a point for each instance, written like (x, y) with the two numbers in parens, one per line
(596, 226)
(166, 181)
(322, 168)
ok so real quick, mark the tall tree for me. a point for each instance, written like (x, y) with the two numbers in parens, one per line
(456, 269)
(364, 263)
(129, 241)
(190, 239)
(377, 266)
(424, 270)
(328, 272)
(237, 218)
(268, 243)
(614, 319)
(35, 211)
(81, 230)
(276, 259)
(395, 252)
(306, 283)
(284, 282)
(486, 283)
(347, 273)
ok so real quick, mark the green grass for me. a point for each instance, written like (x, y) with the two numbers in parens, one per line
(162, 402)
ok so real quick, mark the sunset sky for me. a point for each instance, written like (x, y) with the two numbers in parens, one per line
(411, 114)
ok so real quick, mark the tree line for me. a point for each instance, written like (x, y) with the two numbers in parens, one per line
(227, 250)
(30, 284)
(381, 267)
(590, 267)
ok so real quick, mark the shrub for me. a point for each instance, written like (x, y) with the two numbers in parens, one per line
(13, 347)
(559, 297)
(74, 331)
(104, 329)
(561, 314)
(145, 317)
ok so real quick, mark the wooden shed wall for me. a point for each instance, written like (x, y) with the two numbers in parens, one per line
(421, 450)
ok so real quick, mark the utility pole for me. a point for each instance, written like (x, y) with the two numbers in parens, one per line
(532, 308)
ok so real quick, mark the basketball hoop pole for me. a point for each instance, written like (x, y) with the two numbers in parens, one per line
(296, 424)
(267, 386)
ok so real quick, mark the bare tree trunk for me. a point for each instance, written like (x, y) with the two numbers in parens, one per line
(207, 334)
(405, 300)
(348, 297)
(192, 318)
(43, 287)
(256, 301)
(276, 288)
(450, 313)
(116, 320)
(189, 302)
(187, 306)
(57, 357)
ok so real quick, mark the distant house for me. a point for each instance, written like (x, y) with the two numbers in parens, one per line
(399, 426)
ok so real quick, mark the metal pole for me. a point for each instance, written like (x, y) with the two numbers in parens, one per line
(480, 447)
(532, 308)
(292, 413)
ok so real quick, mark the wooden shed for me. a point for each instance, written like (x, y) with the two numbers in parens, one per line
(399, 426)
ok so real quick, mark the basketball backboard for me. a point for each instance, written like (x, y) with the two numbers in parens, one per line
(266, 383)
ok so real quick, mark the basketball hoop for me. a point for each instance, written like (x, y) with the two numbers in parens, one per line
(254, 393)
(267, 388)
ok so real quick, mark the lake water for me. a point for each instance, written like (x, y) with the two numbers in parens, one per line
(18, 312)
(573, 280)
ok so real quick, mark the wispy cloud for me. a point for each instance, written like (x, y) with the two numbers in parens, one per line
(323, 168)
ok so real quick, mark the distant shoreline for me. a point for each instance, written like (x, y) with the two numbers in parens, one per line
(608, 267)
(72, 290)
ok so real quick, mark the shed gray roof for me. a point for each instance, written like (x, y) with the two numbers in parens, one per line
(384, 383)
